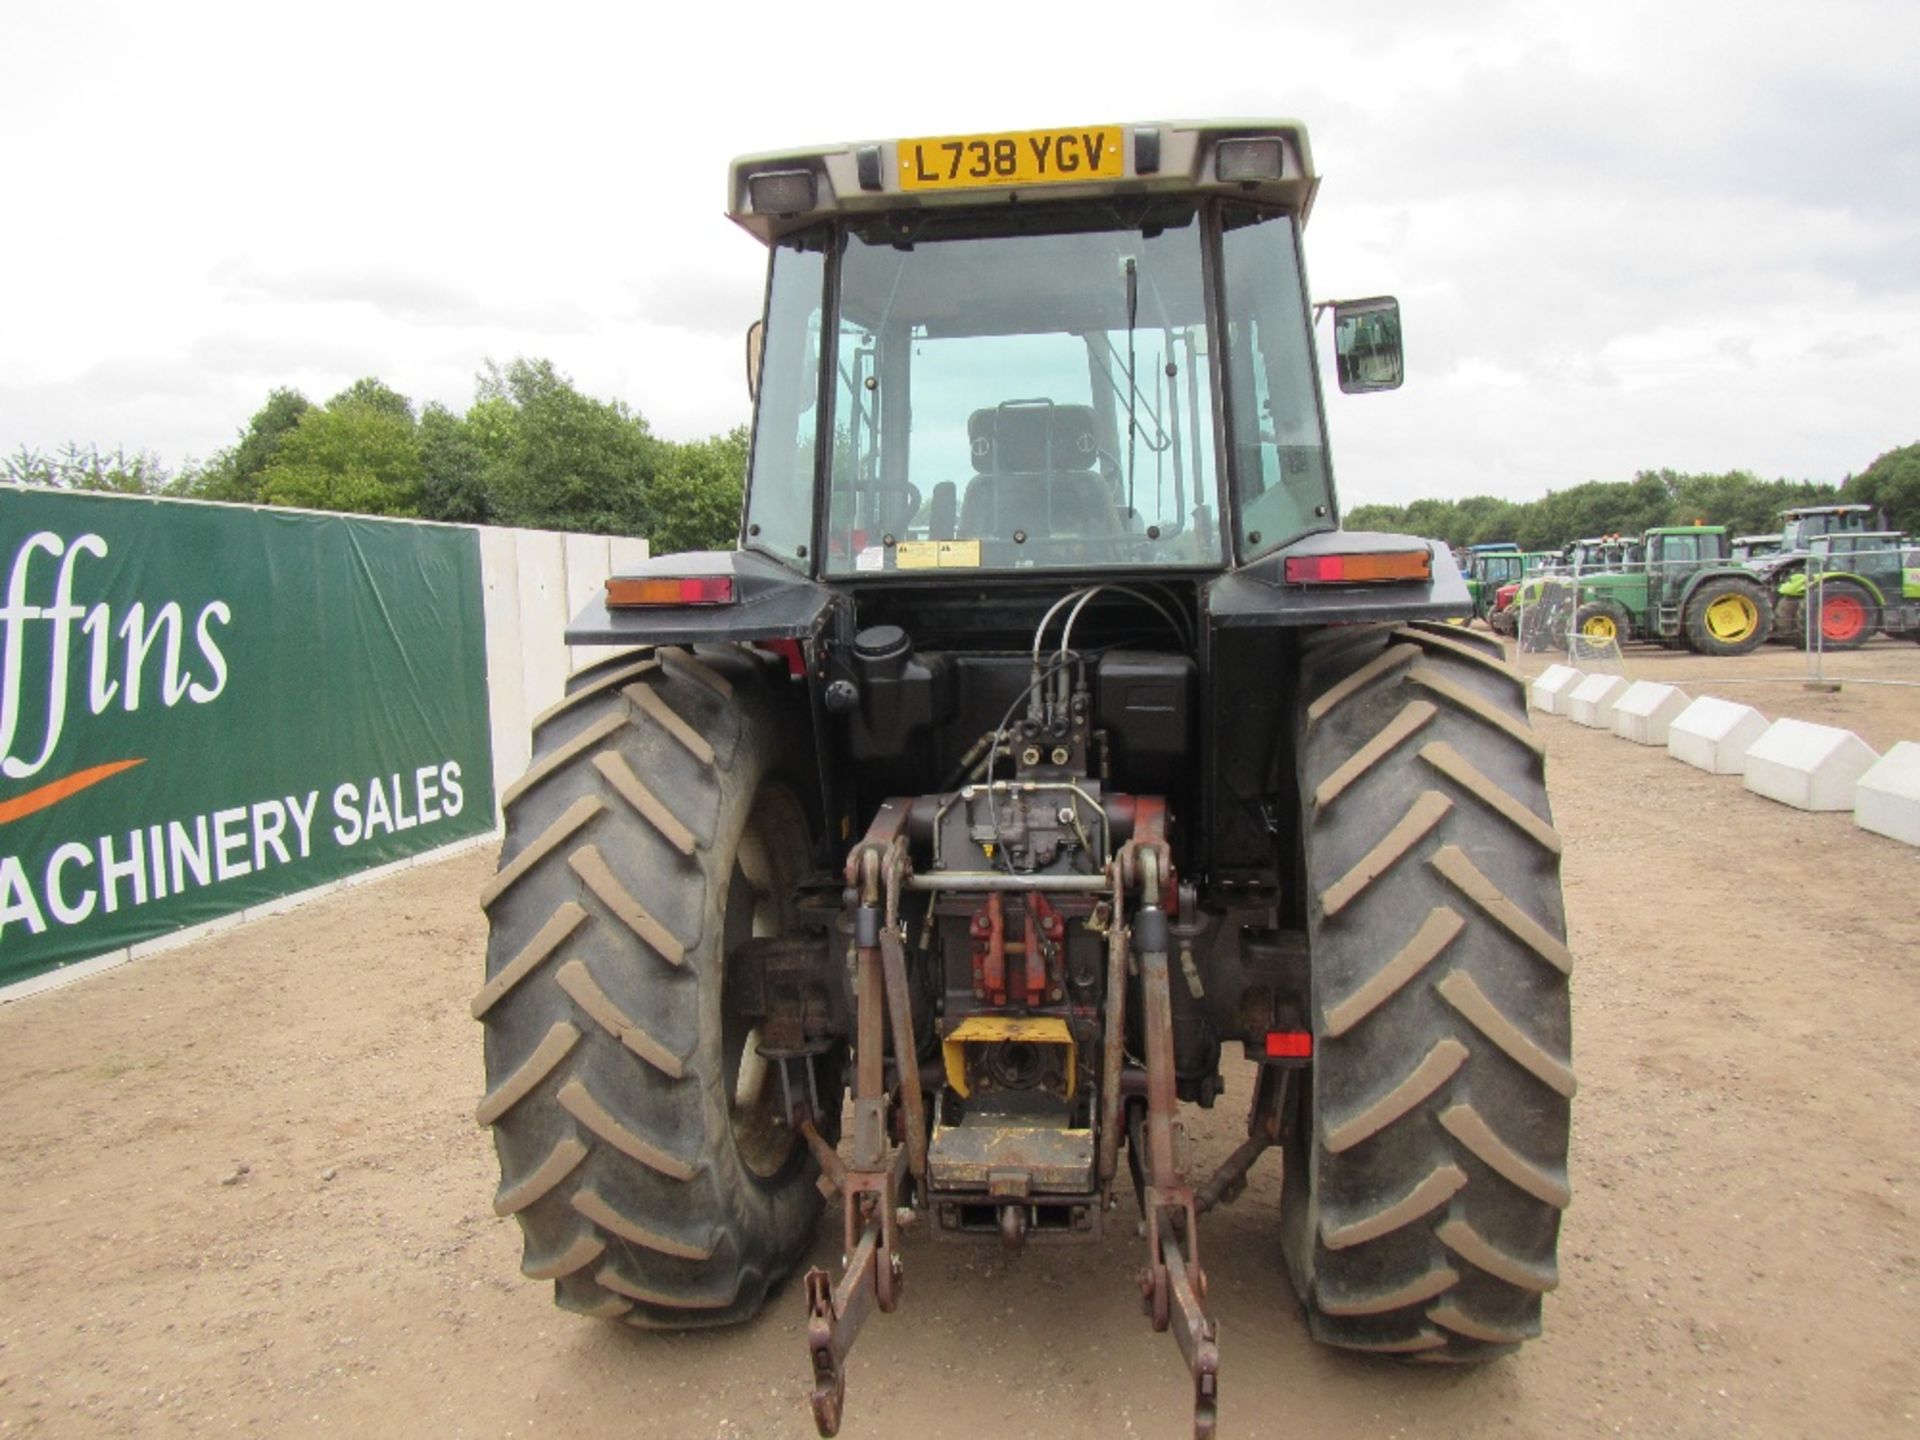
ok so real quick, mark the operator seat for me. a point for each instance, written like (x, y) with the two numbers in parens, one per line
(1033, 466)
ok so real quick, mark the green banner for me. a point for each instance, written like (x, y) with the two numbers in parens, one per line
(206, 707)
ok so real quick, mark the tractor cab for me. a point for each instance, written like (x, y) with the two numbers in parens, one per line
(1004, 355)
(1489, 567)
(1801, 526)
(1676, 551)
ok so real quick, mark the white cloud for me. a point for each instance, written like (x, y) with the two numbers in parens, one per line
(1629, 235)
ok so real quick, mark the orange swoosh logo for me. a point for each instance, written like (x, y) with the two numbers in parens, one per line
(55, 791)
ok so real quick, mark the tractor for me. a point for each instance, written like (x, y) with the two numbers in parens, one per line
(1539, 609)
(1686, 591)
(1800, 528)
(1489, 566)
(1861, 582)
(1044, 749)
(1502, 618)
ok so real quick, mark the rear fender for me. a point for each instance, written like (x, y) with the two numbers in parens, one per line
(1879, 597)
(1730, 572)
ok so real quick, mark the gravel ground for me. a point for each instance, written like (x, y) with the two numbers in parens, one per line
(241, 1190)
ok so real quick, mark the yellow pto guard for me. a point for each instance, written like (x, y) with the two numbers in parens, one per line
(1004, 1030)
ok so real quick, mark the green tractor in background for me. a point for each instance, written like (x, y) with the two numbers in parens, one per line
(1800, 528)
(1487, 568)
(1502, 615)
(1686, 591)
(1860, 582)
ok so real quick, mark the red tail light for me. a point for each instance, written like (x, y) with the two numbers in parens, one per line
(1368, 568)
(692, 590)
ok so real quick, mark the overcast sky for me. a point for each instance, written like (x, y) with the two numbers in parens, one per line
(1625, 235)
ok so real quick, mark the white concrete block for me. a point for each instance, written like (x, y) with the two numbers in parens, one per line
(1715, 735)
(1647, 711)
(506, 673)
(1808, 766)
(586, 558)
(626, 551)
(586, 561)
(1591, 702)
(543, 616)
(1887, 800)
(1554, 684)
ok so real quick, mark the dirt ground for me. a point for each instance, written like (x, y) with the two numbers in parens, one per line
(241, 1190)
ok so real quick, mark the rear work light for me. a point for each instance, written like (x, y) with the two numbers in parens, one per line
(1249, 160)
(1383, 565)
(695, 590)
(781, 192)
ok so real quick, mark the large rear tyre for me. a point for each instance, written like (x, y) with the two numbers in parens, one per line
(1428, 1165)
(1728, 616)
(642, 1145)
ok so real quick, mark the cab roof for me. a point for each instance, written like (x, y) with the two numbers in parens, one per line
(1267, 161)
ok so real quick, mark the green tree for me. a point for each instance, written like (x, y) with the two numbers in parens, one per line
(1892, 482)
(453, 469)
(560, 460)
(1737, 499)
(696, 495)
(88, 467)
(374, 394)
(235, 474)
(353, 455)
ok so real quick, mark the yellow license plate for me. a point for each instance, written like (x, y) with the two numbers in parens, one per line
(1020, 157)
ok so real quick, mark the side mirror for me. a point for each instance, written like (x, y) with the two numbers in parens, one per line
(756, 338)
(1366, 344)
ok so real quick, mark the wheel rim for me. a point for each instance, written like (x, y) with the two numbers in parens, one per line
(754, 909)
(1842, 617)
(1599, 627)
(1732, 618)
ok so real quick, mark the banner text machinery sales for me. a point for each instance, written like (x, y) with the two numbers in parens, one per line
(107, 873)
